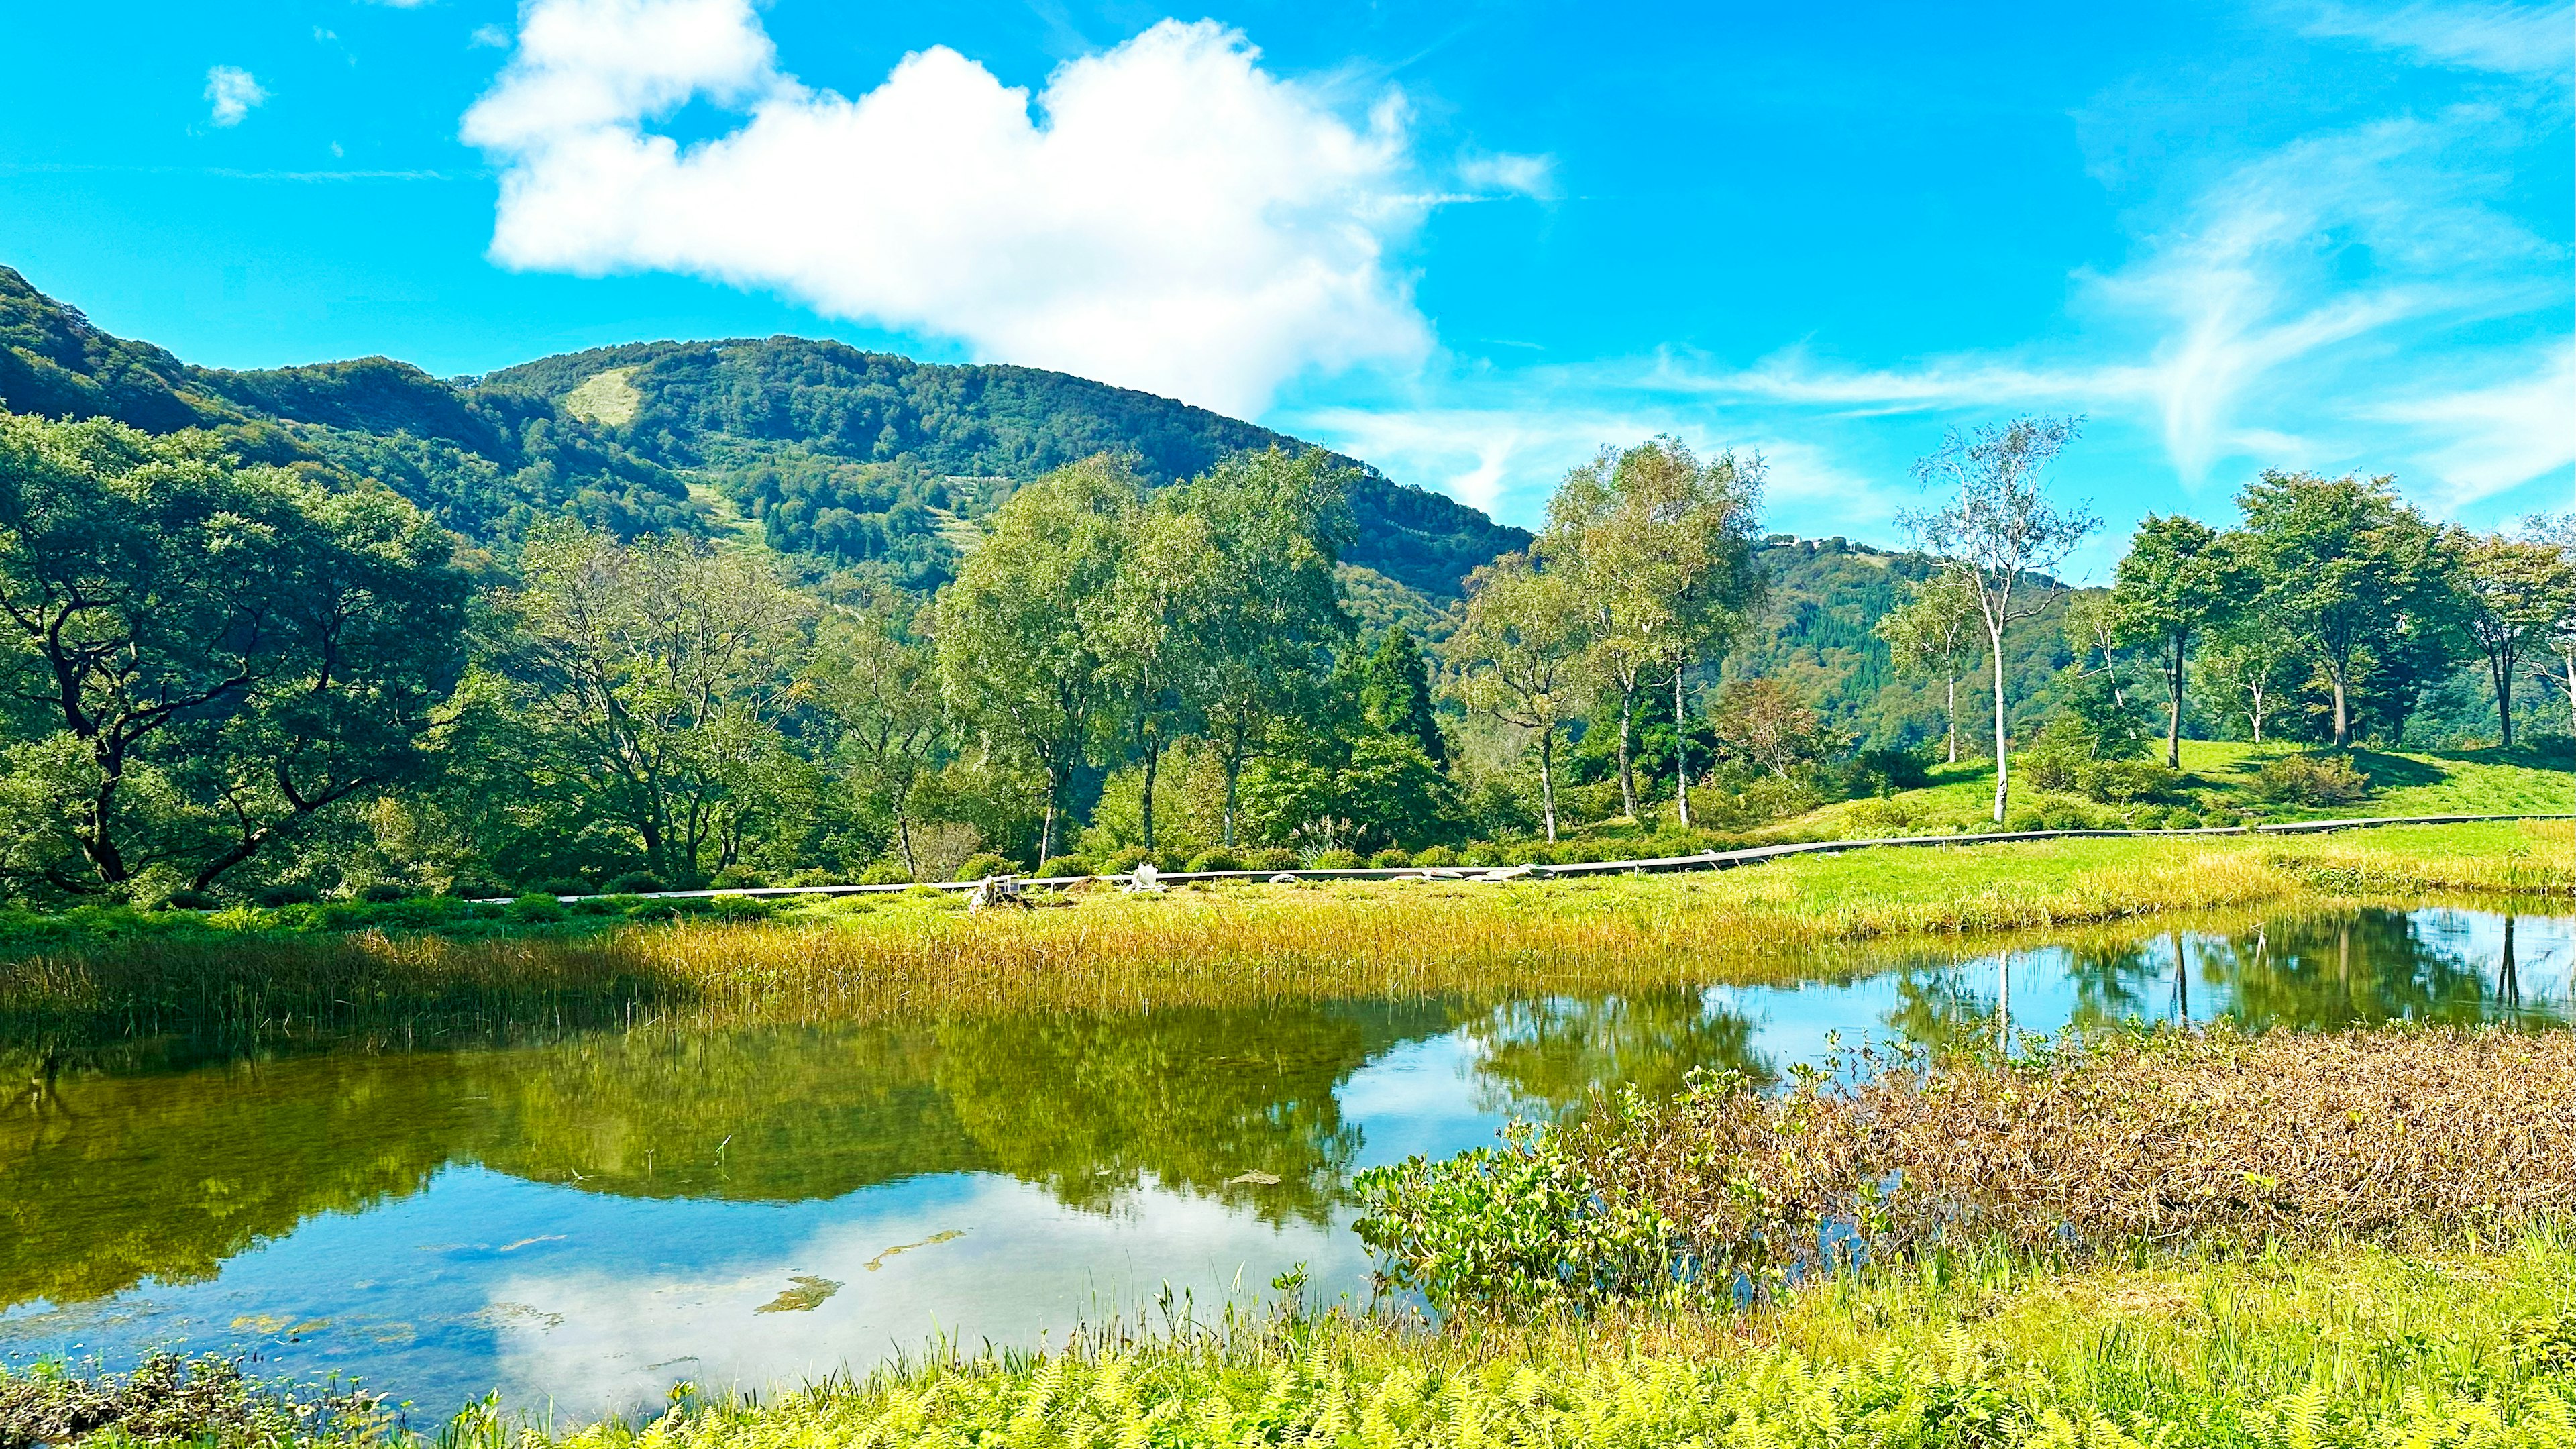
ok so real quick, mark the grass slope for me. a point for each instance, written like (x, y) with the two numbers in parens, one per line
(2218, 778)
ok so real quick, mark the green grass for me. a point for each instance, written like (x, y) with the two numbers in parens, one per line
(2217, 782)
(2343, 1348)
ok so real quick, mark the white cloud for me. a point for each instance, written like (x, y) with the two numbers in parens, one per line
(1531, 176)
(2485, 440)
(491, 36)
(2517, 39)
(2265, 314)
(233, 93)
(1172, 216)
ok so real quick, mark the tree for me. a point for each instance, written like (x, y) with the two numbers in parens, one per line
(1517, 651)
(2560, 636)
(1660, 549)
(877, 681)
(2512, 591)
(2092, 626)
(1933, 632)
(207, 655)
(654, 675)
(2247, 665)
(1395, 694)
(1156, 628)
(2345, 570)
(1765, 723)
(1025, 631)
(1276, 524)
(2167, 588)
(1998, 535)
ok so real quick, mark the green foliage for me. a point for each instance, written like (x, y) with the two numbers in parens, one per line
(978, 867)
(1509, 1228)
(1064, 867)
(1215, 860)
(2311, 779)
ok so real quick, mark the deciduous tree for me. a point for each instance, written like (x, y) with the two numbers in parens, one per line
(2168, 587)
(1517, 652)
(1998, 535)
(1934, 632)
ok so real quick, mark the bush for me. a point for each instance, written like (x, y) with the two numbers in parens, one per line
(2310, 779)
(1884, 772)
(1067, 867)
(886, 872)
(2124, 782)
(190, 901)
(1435, 857)
(478, 886)
(1482, 853)
(2063, 815)
(1390, 859)
(814, 875)
(537, 907)
(736, 877)
(2020, 818)
(1124, 860)
(291, 893)
(979, 866)
(1333, 860)
(1215, 860)
(637, 883)
(567, 885)
(385, 890)
(1277, 857)
(741, 908)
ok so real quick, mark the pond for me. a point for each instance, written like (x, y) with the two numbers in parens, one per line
(578, 1223)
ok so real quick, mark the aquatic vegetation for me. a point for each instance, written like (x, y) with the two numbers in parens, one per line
(2352, 1346)
(2126, 1142)
(168, 1398)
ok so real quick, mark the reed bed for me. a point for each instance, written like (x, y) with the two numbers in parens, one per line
(2132, 1142)
(1240, 945)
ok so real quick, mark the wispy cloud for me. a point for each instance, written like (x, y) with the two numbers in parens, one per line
(2488, 439)
(2516, 39)
(2271, 304)
(232, 92)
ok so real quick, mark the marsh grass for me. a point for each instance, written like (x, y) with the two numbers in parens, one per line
(2347, 1346)
(908, 957)
(2121, 1143)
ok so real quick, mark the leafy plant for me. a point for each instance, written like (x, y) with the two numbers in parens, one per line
(2311, 779)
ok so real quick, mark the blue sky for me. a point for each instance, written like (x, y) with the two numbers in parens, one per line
(1469, 243)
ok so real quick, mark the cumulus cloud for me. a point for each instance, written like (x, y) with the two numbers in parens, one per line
(2516, 39)
(1165, 214)
(232, 92)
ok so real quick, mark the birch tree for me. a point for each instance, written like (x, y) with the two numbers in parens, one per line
(1997, 534)
(1518, 652)
(1935, 632)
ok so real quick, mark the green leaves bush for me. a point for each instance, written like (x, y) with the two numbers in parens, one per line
(2314, 780)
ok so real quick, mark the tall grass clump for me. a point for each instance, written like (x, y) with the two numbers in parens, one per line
(2125, 1143)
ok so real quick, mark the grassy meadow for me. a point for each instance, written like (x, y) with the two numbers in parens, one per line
(2220, 783)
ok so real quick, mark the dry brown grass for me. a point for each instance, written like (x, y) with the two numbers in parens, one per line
(2161, 1140)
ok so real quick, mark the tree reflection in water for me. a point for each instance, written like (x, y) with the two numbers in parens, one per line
(1544, 1059)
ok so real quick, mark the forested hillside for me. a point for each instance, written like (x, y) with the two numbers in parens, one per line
(855, 455)
(856, 459)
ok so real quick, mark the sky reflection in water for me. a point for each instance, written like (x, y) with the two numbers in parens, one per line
(584, 1222)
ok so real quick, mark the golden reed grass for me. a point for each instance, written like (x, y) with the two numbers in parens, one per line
(1244, 946)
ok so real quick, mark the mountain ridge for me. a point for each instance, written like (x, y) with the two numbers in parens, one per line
(843, 454)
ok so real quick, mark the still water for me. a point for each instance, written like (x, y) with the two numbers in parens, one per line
(582, 1222)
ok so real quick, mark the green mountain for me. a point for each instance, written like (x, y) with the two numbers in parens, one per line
(851, 457)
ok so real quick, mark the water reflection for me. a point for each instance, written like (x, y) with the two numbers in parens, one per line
(588, 1218)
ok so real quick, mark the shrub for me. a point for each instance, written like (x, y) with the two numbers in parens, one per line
(190, 901)
(537, 907)
(2181, 818)
(1884, 772)
(2063, 815)
(566, 885)
(1215, 860)
(2020, 818)
(1276, 857)
(2124, 782)
(1390, 859)
(1334, 860)
(478, 886)
(1124, 860)
(741, 908)
(814, 875)
(385, 890)
(637, 883)
(886, 872)
(977, 867)
(1068, 867)
(736, 877)
(289, 893)
(2311, 779)
(1435, 857)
